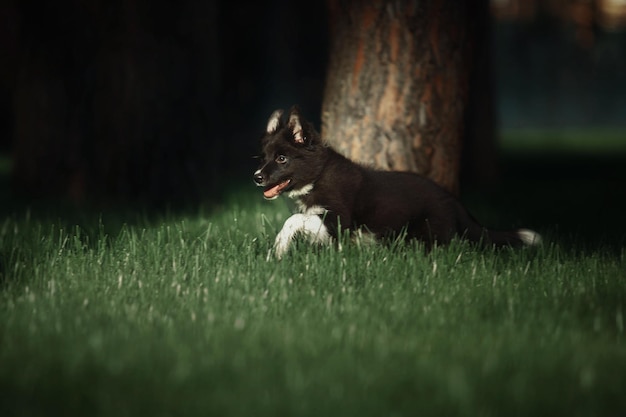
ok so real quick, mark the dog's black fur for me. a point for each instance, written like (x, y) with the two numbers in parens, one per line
(349, 196)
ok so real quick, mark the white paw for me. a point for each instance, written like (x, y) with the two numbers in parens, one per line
(311, 225)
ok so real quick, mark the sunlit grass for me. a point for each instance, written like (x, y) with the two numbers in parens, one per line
(182, 314)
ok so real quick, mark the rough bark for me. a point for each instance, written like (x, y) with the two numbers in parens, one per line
(397, 84)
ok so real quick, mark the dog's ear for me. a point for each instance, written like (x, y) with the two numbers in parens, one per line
(295, 125)
(275, 121)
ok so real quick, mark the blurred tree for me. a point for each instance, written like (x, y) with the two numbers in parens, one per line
(397, 83)
(114, 100)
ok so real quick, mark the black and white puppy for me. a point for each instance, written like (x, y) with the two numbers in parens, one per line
(333, 193)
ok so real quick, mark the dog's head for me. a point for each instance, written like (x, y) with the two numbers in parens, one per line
(291, 157)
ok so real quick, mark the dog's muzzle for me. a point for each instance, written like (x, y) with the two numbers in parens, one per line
(258, 178)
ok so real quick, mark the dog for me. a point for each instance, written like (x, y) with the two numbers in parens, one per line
(333, 195)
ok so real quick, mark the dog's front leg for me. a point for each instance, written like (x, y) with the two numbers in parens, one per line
(311, 225)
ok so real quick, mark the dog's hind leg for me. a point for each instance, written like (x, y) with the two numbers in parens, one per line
(311, 225)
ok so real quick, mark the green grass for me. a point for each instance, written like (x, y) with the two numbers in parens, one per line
(182, 315)
(121, 313)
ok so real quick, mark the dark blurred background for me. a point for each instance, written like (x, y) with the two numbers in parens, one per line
(561, 65)
(164, 101)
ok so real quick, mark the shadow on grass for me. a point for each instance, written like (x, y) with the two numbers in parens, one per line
(93, 218)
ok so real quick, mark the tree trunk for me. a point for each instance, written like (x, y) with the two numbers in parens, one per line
(397, 84)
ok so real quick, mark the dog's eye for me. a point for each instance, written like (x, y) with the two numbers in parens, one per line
(281, 159)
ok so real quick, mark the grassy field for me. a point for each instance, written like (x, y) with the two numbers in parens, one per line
(121, 313)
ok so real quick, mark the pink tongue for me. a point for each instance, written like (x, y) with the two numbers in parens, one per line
(275, 190)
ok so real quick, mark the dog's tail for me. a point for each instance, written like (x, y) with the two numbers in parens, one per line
(516, 238)
(519, 237)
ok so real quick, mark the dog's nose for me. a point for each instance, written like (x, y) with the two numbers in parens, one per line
(258, 178)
